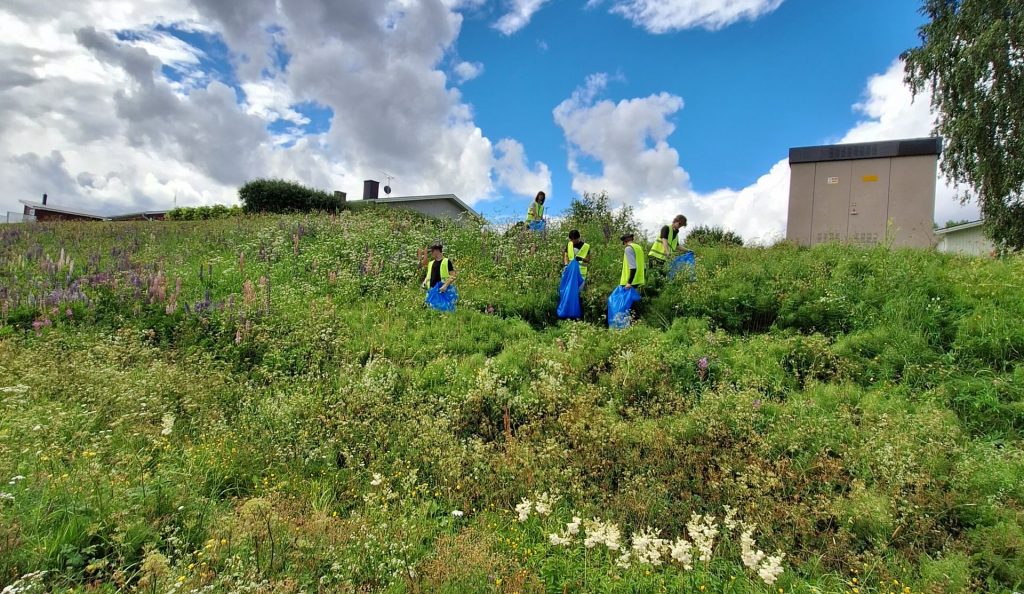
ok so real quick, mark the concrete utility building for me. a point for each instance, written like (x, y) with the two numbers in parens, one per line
(850, 193)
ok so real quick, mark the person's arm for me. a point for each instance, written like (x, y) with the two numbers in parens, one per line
(565, 258)
(450, 279)
(631, 261)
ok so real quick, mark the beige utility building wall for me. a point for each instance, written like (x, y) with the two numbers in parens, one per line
(859, 193)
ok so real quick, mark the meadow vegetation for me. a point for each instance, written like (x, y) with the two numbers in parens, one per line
(262, 404)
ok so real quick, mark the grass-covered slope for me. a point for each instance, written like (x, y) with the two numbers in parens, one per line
(264, 405)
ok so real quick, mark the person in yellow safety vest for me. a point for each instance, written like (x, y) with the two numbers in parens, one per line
(439, 270)
(667, 244)
(634, 265)
(577, 250)
(536, 212)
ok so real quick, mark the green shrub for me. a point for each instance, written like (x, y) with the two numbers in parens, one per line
(278, 196)
(705, 236)
(203, 213)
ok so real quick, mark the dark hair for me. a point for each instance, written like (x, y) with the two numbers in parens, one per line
(541, 196)
(680, 219)
(437, 247)
(626, 235)
(574, 234)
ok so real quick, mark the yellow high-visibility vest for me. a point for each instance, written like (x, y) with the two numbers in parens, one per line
(584, 251)
(641, 267)
(673, 243)
(444, 270)
(536, 212)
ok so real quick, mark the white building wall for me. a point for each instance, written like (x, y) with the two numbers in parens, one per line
(968, 242)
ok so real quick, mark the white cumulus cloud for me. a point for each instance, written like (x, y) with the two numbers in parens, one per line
(518, 15)
(628, 140)
(663, 16)
(467, 71)
(107, 109)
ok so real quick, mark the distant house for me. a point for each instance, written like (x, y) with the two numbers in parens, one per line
(967, 239)
(43, 213)
(437, 205)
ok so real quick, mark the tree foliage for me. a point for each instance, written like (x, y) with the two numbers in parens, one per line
(704, 235)
(972, 58)
(280, 196)
(595, 212)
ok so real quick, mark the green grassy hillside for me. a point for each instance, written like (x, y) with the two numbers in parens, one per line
(263, 404)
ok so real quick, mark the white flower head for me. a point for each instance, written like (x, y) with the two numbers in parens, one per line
(730, 518)
(523, 509)
(625, 560)
(457, 513)
(558, 540)
(573, 527)
(771, 569)
(682, 552)
(4, 497)
(647, 547)
(168, 424)
(544, 504)
(377, 479)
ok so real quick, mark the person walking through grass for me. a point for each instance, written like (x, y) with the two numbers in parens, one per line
(439, 270)
(577, 250)
(667, 244)
(634, 264)
(535, 215)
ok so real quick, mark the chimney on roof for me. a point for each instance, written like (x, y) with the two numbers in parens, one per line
(44, 199)
(371, 189)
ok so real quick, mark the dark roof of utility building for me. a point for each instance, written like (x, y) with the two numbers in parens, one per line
(866, 150)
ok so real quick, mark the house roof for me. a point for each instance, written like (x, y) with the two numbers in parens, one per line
(960, 227)
(912, 147)
(145, 213)
(450, 197)
(58, 209)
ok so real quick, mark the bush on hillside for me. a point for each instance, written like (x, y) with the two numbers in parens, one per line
(705, 235)
(278, 196)
(594, 212)
(204, 213)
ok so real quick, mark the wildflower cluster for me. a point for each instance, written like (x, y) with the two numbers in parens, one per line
(647, 547)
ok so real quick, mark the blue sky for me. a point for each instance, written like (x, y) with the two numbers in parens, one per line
(751, 90)
(669, 105)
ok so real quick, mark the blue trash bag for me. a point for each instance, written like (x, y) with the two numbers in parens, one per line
(442, 301)
(686, 260)
(619, 303)
(569, 293)
(535, 225)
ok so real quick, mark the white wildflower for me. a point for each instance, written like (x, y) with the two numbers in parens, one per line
(544, 504)
(457, 513)
(18, 389)
(168, 424)
(703, 531)
(730, 518)
(377, 479)
(647, 547)
(751, 556)
(682, 553)
(6, 497)
(14, 479)
(573, 527)
(771, 569)
(625, 560)
(523, 509)
(599, 532)
(558, 540)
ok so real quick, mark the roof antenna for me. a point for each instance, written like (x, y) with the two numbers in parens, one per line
(387, 186)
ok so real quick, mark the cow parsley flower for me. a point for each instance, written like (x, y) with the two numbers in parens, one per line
(682, 552)
(703, 531)
(544, 504)
(523, 509)
(168, 424)
(647, 547)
